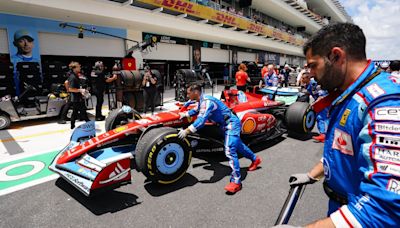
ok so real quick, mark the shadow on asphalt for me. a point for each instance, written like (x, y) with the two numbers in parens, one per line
(156, 189)
(114, 202)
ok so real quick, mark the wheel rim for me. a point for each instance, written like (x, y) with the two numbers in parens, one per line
(310, 119)
(3, 122)
(170, 158)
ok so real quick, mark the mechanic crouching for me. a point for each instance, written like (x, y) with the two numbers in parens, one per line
(212, 109)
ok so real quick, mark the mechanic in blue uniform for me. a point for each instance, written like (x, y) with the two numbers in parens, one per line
(211, 109)
(361, 159)
(314, 90)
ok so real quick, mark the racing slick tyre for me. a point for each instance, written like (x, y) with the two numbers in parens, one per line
(120, 117)
(161, 156)
(300, 118)
(5, 121)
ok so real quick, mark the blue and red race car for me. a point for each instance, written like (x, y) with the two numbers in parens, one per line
(151, 145)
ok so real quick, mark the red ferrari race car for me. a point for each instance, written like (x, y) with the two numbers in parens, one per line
(151, 145)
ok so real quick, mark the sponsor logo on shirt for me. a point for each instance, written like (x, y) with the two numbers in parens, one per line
(395, 79)
(387, 155)
(343, 142)
(327, 169)
(388, 168)
(345, 115)
(393, 186)
(387, 127)
(375, 90)
(387, 113)
(388, 140)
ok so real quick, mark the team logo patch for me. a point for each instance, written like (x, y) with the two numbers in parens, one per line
(395, 79)
(388, 168)
(387, 155)
(388, 140)
(387, 127)
(345, 115)
(327, 169)
(387, 113)
(393, 186)
(342, 142)
(375, 90)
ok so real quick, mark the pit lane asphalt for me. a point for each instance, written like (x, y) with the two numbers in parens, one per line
(198, 200)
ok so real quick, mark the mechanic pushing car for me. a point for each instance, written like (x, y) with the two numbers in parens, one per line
(212, 109)
(361, 161)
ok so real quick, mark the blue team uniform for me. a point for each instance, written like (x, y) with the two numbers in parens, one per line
(362, 153)
(211, 109)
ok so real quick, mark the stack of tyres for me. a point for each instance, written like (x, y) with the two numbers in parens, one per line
(29, 74)
(7, 86)
(53, 73)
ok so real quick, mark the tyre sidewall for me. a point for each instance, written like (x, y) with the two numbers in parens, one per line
(151, 149)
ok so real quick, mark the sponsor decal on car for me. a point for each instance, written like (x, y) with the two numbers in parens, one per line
(388, 168)
(342, 141)
(119, 173)
(387, 113)
(387, 127)
(387, 155)
(345, 115)
(393, 186)
(375, 90)
(388, 140)
(119, 129)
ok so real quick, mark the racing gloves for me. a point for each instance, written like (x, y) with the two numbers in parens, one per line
(183, 115)
(301, 178)
(183, 133)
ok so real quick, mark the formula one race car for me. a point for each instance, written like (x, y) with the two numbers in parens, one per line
(151, 144)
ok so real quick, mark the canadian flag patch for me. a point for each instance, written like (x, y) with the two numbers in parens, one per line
(342, 142)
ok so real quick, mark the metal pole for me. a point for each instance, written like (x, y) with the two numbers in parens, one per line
(294, 195)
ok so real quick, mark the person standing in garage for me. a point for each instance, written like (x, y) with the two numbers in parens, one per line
(242, 78)
(149, 90)
(99, 81)
(76, 91)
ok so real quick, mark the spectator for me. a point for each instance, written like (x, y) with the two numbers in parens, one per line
(226, 74)
(242, 78)
(149, 90)
(270, 78)
(285, 72)
(298, 79)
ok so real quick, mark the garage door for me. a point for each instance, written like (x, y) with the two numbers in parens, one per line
(3, 41)
(246, 56)
(168, 52)
(214, 55)
(61, 44)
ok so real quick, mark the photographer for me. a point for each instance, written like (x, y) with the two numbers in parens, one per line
(149, 90)
(99, 81)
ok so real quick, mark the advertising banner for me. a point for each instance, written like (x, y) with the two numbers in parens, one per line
(193, 9)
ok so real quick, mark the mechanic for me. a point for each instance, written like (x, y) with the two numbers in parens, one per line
(286, 74)
(99, 81)
(311, 88)
(242, 78)
(361, 161)
(76, 92)
(212, 109)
